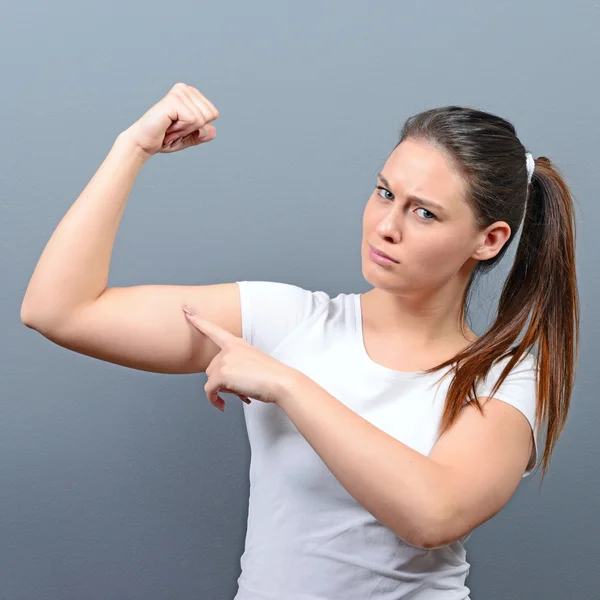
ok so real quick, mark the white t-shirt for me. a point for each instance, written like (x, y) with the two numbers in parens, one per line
(307, 538)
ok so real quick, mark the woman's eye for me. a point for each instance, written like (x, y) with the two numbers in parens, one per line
(430, 216)
(382, 189)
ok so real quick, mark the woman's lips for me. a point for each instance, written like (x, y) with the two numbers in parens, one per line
(380, 258)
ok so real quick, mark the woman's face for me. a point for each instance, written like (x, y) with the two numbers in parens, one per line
(431, 244)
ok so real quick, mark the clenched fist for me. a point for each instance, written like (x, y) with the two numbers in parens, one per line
(180, 120)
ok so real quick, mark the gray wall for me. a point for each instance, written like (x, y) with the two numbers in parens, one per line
(123, 484)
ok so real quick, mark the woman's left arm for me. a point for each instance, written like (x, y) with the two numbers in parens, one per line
(428, 501)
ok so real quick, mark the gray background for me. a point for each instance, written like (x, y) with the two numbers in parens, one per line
(122, 484)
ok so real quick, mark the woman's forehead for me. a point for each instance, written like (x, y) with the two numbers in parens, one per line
(419, 169)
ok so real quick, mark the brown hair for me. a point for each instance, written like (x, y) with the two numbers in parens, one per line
(542, 284)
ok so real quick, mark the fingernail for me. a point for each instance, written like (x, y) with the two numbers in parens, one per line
(188, 311)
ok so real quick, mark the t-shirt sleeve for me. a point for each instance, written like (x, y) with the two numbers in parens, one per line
(272, 310)
(518, 390)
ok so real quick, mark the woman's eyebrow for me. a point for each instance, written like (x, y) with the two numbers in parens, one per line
(412, 198)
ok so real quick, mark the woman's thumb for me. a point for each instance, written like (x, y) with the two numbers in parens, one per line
(205, 134)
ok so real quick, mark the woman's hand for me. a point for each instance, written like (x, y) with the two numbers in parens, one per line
(180, 120)
(240, 368)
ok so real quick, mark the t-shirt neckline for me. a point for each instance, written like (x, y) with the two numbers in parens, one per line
(374, 367)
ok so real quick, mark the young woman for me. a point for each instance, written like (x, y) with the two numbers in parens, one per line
(369, 466)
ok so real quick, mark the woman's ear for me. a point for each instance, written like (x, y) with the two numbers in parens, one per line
(494, 238)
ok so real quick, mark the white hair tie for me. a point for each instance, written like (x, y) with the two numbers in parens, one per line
(530, 166)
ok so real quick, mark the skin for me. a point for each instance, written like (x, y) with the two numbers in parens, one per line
(418, 300)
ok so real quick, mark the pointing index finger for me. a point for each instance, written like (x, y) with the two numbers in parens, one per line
(217, 334)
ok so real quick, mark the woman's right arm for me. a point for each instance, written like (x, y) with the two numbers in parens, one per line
(73, 268)
(142, 327)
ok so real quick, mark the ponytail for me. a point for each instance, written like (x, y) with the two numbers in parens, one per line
(541, 287)
(539, 296)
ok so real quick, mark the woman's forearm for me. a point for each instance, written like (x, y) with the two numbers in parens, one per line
(73, 268)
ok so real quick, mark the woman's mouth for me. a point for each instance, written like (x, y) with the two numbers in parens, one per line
(375, 256)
